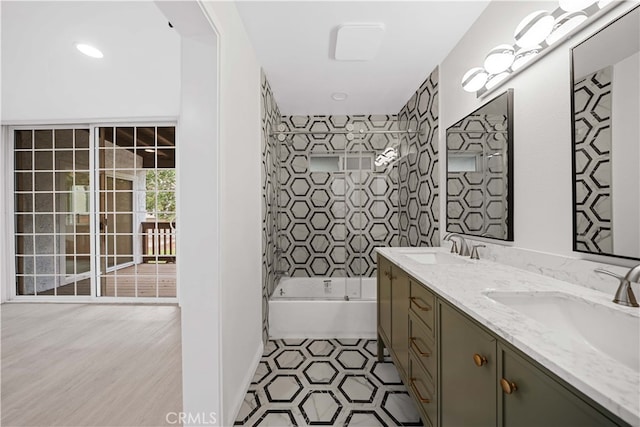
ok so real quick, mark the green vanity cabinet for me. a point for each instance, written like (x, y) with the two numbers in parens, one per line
(384, 301)
(393, 306)
(460, 373)
(400, 320)
(530, 397)
(468, 369)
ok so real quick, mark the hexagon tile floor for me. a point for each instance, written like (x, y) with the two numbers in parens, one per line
(329, 382)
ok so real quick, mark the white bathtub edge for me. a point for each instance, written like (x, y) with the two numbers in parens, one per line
(285, 335)
(322, 319)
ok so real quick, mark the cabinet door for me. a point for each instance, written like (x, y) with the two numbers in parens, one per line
(529, 397)
(468, 371)
(384, 298)
(400, 319)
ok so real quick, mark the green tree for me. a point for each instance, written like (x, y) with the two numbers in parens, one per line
(161, 196)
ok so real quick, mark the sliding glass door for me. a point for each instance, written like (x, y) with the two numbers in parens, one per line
(95, 211)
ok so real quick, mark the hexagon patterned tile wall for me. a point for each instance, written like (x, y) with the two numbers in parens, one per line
(319, 222)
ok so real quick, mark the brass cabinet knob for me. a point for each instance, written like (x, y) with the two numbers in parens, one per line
(386, 274)
(479, 360)
(507, 386)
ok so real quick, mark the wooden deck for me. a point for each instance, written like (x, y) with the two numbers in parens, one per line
(139, 280)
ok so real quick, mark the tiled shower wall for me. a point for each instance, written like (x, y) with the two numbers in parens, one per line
(270, 120)
(330, 222)
(418, 207)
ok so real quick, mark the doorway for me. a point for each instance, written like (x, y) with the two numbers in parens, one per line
(95, 211)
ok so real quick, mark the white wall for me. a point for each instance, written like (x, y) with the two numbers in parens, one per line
(45, 78)
(542, 123)
(625, 156)
(240, 198)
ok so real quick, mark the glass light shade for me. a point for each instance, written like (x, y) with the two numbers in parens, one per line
(524, 55)
(575, 5)
(534, 28)
(495, 79)
(565, 23)
(499, 59)
(89, 50)
(474, 79)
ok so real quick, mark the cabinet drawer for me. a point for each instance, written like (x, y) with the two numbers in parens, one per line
(422, 346)
(422, 302)
(423, 391)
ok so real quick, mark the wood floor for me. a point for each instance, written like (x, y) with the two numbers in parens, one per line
(90, 365)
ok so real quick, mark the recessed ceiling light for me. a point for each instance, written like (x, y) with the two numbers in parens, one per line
(339, 96)
(89, 50)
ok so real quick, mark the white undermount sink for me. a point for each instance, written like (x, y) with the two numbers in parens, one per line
(607, 330)
(433, 257)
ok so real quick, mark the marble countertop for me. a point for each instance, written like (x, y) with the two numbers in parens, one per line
(613, 385)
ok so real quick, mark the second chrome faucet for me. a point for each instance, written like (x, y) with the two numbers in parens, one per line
(464, 246)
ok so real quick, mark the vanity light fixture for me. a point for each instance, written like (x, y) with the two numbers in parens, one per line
(499, 59)
(89, 50)
(524, 55)
(538, 33)
(474, 79)
(564, 24)
(575, 5)
(495, 79)
(534, 28)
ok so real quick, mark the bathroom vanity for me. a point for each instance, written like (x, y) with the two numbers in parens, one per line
(467, 345)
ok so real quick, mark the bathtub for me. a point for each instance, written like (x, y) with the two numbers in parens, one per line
(316, 307)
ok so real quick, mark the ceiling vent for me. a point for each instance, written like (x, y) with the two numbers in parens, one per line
(358, 42)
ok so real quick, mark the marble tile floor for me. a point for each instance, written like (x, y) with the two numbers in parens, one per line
(330, 382)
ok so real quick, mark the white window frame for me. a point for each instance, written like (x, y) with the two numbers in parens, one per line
(7, 213)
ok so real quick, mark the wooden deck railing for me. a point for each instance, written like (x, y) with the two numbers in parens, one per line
(159, 241)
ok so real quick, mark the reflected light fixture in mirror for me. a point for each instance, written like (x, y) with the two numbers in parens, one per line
(537, 34)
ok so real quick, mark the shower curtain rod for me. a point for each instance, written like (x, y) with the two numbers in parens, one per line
(342, 132)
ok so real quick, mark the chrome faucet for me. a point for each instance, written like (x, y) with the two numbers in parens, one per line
(624, 294)
(464, 248)
(474, 251)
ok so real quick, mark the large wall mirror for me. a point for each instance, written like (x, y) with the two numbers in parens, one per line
(606, 140)
(480, 171)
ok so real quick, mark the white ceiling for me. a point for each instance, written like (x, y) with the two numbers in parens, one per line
(294, 42)
(45, 78)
